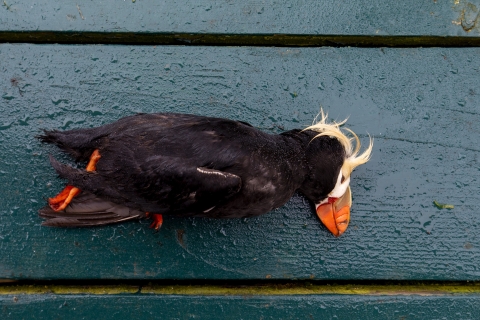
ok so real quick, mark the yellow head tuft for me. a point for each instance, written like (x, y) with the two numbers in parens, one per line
(351, 144)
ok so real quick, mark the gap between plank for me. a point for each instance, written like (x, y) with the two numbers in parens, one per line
(256, 40)
(240, 288)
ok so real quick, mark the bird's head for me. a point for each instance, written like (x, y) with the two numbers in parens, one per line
(331, 156)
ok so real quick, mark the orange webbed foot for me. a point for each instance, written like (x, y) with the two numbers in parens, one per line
(63, 199)
(157, 220)
(92, 164)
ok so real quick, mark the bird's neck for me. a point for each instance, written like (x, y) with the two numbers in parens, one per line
(295, 144)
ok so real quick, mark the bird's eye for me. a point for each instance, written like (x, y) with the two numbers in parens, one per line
(343, 179)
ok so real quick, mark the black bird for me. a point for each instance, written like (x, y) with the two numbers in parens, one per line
(186, 165)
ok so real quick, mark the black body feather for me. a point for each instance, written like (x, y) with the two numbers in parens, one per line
(188, 165)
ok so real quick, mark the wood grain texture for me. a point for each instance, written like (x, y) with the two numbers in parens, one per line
(421, 105)
(239, 307)
(398, 18)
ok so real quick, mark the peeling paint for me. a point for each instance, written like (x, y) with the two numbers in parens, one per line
(80, 12)
(8, 7)
(468, 15)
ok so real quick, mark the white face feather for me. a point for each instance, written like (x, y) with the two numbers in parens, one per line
(338, 191)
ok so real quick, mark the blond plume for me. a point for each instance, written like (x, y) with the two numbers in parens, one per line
(351, 144)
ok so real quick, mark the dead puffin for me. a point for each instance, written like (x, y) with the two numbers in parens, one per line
(148, 165)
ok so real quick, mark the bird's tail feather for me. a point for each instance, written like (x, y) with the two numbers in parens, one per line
(78, 143)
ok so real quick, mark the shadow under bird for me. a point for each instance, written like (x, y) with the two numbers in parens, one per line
(150, 165)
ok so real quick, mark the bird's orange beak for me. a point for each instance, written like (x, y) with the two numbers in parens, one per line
(335, 214)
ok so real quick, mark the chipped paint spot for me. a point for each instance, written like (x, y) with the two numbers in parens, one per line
(180, 233)
(6, 5)
(468, 16)
(80, 12)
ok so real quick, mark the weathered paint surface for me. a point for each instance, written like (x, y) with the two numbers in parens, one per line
(376, 17)
(421, 105)
(49, 306)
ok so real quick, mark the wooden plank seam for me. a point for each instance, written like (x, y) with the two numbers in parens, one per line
(219, 39)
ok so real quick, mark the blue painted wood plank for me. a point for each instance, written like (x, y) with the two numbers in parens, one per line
(239, 307)
(421, 105)
(388, 18)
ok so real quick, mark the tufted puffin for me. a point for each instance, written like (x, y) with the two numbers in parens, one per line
(150, 165)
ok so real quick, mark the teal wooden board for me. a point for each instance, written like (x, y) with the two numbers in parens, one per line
(421, 105)
(386, 18)
(238, 307)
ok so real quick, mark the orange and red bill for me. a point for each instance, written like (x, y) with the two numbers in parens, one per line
(335, 213)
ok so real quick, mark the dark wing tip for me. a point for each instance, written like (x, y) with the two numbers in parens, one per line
(48, 136)
(61, 222)
(46, 212)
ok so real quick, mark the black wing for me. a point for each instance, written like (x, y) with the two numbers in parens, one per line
(161, 184)
(87, 210)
